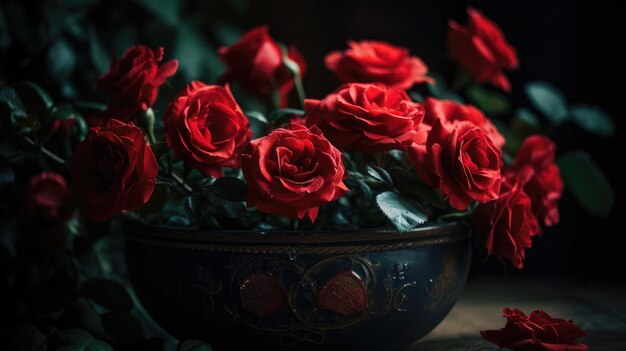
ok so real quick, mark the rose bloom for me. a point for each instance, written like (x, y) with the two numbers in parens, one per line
(133, 81)
(46, 205)
(461, 161)
(366, 117)
(537, 332)
(450, 112)
(256, 62)
(507, 224)
(544, 185)
(113, 170)
(206, 128)
(377, 62)
(481, 49)
(293, 171)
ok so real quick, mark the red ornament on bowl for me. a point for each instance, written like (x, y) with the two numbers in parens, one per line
(262, 294)
(344, 294)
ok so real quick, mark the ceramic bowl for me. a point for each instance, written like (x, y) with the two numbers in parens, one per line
(360, 290)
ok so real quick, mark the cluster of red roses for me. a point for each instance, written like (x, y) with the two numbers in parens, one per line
(294, 170)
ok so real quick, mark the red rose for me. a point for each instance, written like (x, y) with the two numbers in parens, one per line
(507, 224)
(256, 62)
(133, 82)
(450, 112)
(366, 117)
(113, 170)
(47, 203)
(461, 160)
(544, 184)
(293, 172)
(377, 62)
(206, 128)
(481, 49)
(537, 332)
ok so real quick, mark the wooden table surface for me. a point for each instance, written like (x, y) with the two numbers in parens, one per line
(598, 308)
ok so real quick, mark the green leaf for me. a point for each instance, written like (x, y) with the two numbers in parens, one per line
(357, 184)
(548, 100)
(34, 98)
(192, 207)
(489, 101)
(379, 174)
(230, 209)
(589, 185)
(527, 117)
(257, 116)
(88, 106)
(167, 10)
(123, 326)
(107, 293)
(11, 102)
(230, 188)
(405, 214)
(99, 56)
(11, 109)
(194, 345)
(61, 60)
(76, 340)
(593, 119)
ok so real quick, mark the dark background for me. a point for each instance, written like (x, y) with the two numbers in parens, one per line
(577, 46)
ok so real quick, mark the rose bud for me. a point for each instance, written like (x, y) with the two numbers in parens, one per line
(481, 49)
(256, 62)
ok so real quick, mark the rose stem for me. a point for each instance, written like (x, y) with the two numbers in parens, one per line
(44, 151)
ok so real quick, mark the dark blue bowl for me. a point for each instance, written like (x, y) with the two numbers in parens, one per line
(365, 290)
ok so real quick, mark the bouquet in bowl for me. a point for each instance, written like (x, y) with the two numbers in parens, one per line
(391, 145)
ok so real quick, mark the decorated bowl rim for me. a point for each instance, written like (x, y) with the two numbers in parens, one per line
(431, 232)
